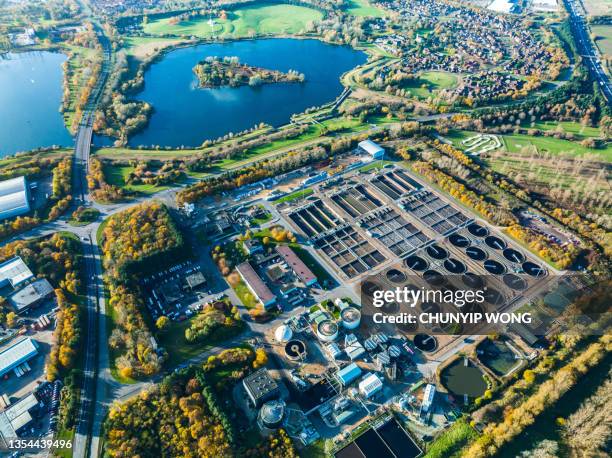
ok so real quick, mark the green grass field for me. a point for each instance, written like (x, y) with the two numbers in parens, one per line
(570, 127)
(245, 295)
(244, 22)
(301, 194)
(363, 8)
(603, 38)
(117, 175)
(143, 47)
(517, 142)
(433, 81)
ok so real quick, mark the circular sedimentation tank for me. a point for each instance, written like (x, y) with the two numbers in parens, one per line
(425, 342)
(534, 270)
(351, 317)
(459, 240)
(396, 276)
(493, 297)
(283, 333)
(369, 287)
(475, 253)
(454, 266)
(408, 328)
(430, 307)
(513, 255)
(415, 263)
(495, 242)
(295, 349)
(433, 277)
(515, 282)
(478, 230)
(327, 330)
(271, 414)
(437, 252)
(494, 267)
(472, 280)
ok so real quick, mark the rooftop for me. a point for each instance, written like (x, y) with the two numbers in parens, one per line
(260, 384)
(370, 147)
(31, 294)
(255, 283)
(13, 197)
(17, 353)
(297, 265)
(14, 271)
(17, 416)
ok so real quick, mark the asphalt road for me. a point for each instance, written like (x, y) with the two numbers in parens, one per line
(587, 48)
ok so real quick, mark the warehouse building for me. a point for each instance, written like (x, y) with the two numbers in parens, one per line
(260, 387)
(370, 385)
(18, 416)
(31, 295)
(14, 272)
(17, 354)
(349, 373)
(14, 197)
(298, 267)
(256, 285)
(373, 149)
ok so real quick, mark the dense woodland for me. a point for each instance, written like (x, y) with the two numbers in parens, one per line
(188, 414)
(137, 240)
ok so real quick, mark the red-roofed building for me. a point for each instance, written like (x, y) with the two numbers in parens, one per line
(298, 267)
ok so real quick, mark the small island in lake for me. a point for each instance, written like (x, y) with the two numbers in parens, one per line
(228, 71)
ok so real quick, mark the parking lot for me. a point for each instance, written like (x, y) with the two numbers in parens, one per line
(176, 292)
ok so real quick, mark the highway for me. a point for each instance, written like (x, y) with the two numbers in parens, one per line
(93, 268)
(586, 47)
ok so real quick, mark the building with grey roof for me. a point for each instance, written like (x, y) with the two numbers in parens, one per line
(31, 295)
(14, 272)
(17, 416)
(14, 355)
(14, 197)
(260, 387)
(255, 284)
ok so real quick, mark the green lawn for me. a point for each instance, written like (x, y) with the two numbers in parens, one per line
(295, 195)
(245, 295)
(451, 441)
(143, 47)
(516, 143)
(432, 81)
(117, 175)
(179, 349)
(570, 127)
(243, 22)
(603, 38)
(375, 165)
(364, 8)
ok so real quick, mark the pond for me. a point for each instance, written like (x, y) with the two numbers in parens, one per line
(497, 356)
(461, 379)
(30, 98)
(187, 115)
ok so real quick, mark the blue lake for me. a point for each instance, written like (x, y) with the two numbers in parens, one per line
(30, 98)
(187, 115)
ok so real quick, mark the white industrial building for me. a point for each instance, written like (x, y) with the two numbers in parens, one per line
(371, 148)
(370, 385)
(31, 295)
(17, 416)
(544, 6)
(14, 272)
(14, 197)
(16, 355)
(504, 6)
